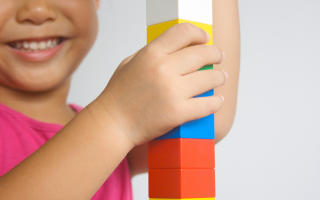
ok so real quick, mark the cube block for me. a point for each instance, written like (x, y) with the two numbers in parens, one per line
(159, 11)
(181, 153)
(181, 183)
(197, 129)
(156, 30)
(206, 94)
(207, 67)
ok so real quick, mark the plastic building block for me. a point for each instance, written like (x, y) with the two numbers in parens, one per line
(206, 94)
(206, 67)
(196, 129)
(159, 11)
(181, 162)
(187, 199)
(181, 183)
(181, 154)
(156, 30)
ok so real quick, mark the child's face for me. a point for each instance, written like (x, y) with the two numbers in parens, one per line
(43, 41)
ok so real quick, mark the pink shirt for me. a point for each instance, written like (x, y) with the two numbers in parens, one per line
(20, 136)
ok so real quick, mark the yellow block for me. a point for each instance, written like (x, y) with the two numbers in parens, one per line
(187, 199)
(156, 30)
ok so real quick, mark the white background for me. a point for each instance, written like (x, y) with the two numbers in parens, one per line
(272, 151)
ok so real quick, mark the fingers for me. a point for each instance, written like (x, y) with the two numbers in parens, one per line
(196, 108)
(193, 58)
(202, 81)
(125, 61)
(178, 37)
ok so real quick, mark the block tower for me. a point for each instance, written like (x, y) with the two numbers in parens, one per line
(182, 162)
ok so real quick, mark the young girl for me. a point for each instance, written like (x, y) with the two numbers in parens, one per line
(51, 150)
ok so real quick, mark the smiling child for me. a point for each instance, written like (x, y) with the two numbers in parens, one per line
(52, 150)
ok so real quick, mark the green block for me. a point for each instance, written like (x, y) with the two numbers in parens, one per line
(206, 67)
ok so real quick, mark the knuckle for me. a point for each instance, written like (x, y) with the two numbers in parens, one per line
(209, 108)
(215, 50)
(212, 77)
(205, 52)
(211, 53)
(161, 70)
(150, 50)
(186, 28)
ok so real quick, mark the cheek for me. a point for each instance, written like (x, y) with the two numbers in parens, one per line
(84, 22)
(84, 19)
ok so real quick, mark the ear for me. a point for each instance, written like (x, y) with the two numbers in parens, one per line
(97, 3)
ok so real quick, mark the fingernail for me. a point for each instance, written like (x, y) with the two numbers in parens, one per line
(225, 73)
(208, 36)
(223, 57)
(222, 97)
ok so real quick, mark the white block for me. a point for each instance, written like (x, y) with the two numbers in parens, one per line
(159, 11)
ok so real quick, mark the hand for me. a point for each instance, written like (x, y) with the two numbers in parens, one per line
(151, 92)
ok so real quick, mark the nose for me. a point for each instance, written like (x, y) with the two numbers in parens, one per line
(36, 12)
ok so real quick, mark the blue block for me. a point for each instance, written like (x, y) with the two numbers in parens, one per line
(197, 129)
(206, 94)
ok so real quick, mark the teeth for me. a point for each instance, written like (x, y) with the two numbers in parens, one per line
(36, 46)
(33, 46)
(25, 45)
(49, 43)
(42, 45)
(55, 42)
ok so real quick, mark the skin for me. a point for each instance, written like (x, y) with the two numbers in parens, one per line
(29, 86)
(80, 157)
(226, 36)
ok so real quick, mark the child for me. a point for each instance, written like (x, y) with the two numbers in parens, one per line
(51, 150)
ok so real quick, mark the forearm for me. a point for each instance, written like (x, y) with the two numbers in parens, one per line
(226, 36)
(71, 165)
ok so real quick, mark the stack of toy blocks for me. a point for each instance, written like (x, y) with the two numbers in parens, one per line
(181, 162)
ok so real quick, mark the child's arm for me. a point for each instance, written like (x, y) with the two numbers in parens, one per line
(140, 103)
(226, 36)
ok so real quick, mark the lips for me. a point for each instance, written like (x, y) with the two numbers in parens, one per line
(36, 50)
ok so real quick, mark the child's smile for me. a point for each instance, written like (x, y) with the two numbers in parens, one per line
(36, 50)
(42, 42)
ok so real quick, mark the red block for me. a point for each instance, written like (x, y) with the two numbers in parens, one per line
(182, 183)
(181, 153)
